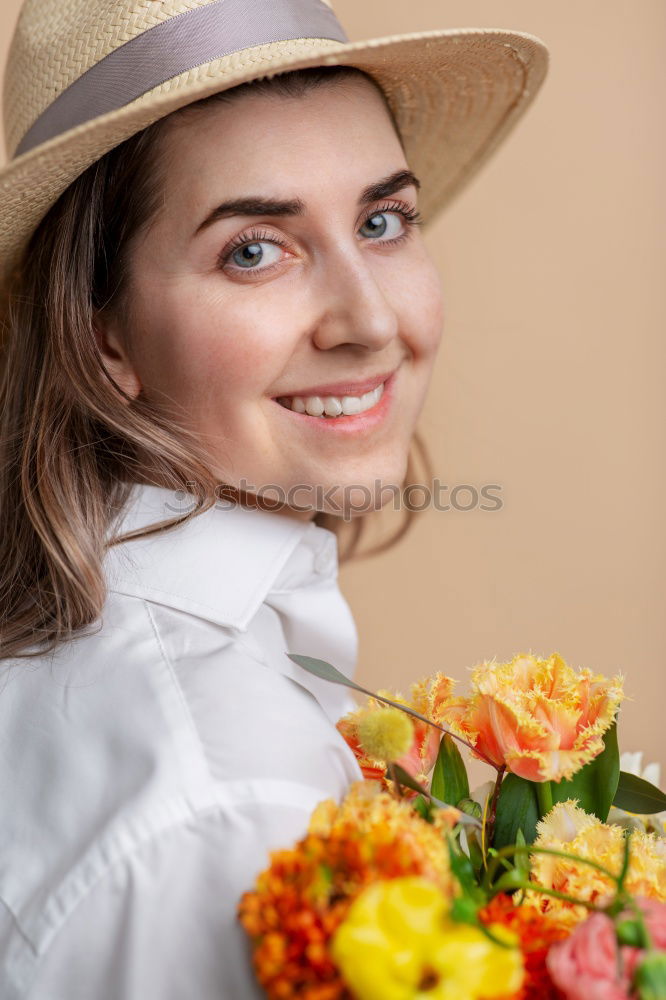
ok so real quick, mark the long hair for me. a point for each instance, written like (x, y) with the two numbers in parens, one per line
(72, 442)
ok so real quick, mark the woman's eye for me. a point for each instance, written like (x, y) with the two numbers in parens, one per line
(251, 254)
(259, 250)
(377, 225)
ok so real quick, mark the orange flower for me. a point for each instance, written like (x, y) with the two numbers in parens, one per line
(302, 898)
(347, 726)
(569, 829)
(540, 718)
(536, 932)
(426, 697)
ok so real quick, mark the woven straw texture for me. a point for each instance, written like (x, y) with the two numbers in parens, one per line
(46, 56)
(455, 95)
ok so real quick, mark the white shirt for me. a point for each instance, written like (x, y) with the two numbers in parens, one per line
(147, 769)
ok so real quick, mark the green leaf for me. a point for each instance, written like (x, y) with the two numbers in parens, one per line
(424, 808)
(475, 853)
(465, 911)
(404, 778)
(650, 976)
(449, 778)
(636, 795)
(395, 771)
(320, 668)
(522, 859)
(463, 870)
(595, 784)
(508, 881)
(517, 809)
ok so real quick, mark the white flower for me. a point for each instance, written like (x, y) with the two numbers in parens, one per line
(632, 763)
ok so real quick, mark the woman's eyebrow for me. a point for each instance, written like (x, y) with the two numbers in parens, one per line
(296, 206)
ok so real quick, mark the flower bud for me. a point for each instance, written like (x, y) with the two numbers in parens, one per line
(386, 734)
(650, 976)
(630, 932)
(470, 807)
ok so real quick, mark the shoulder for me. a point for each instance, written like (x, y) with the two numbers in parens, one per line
(248, 716)
(155, 706)
(157, 699)
(155, 723)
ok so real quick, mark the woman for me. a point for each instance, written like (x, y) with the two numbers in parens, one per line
(220, 325)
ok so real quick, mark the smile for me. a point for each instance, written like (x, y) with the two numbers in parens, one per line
(341, 415)
(332, 406)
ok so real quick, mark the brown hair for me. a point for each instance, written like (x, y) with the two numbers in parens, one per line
(71, 441)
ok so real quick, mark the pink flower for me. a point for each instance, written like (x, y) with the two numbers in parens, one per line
(654, 913)
(586, 966)
(655, 918)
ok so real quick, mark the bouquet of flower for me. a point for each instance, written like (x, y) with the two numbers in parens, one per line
(548, 882)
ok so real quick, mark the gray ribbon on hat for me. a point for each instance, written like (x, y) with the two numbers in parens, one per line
(168, 49)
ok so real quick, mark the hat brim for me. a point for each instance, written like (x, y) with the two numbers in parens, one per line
(456, 94)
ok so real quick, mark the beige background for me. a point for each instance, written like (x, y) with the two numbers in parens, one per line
(550, 378)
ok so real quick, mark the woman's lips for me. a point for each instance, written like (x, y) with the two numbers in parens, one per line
(340, 389)
(352, 423)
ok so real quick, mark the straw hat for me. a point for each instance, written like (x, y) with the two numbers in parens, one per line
(84, 75)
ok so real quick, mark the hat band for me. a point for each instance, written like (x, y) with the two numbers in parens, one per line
(172, 47)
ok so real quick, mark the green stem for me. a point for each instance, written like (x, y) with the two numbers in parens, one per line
(490, 833)
(544, 792)
(508, 852)
(625, 863)
(533, 849)
(640, 920)
(535, 887)
(491, 937)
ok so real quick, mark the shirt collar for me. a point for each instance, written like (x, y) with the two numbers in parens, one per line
(222, 564)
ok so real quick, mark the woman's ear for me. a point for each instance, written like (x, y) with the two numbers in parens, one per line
(114, 356)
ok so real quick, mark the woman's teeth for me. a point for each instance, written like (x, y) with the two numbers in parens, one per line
(332, 406)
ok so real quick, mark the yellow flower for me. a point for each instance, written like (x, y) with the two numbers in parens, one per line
(539, 718)
(568, 828)
(385, 734)
(398, 943)
(304, 895)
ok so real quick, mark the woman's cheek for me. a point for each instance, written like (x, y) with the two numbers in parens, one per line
(423, 313)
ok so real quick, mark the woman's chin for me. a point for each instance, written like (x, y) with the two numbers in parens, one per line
(361, 497)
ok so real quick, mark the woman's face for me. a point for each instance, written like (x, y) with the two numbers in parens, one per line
(335, 289)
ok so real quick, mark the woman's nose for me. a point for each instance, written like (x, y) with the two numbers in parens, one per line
(353, 307)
